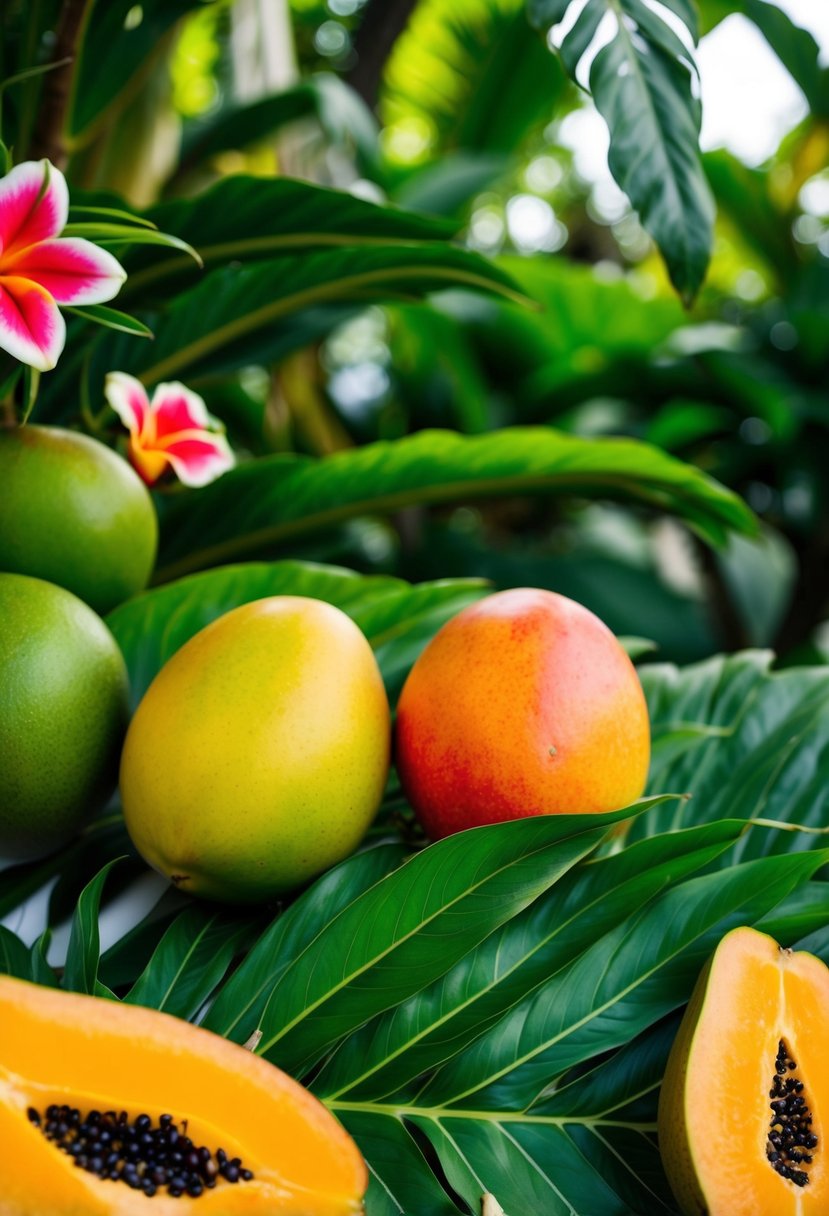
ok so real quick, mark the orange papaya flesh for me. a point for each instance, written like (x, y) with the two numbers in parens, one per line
(744, 1105)
(91, 1054)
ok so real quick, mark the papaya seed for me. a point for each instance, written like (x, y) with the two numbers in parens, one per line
(136, 1152)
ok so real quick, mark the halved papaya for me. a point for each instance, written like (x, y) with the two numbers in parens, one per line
(120, 1084)
(746, 1088)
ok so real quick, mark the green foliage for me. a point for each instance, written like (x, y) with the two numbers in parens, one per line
(281, 498)
(642, 82)
(491, 1013)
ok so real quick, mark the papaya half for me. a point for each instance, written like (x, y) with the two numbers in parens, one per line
(110, 1108)
(746, 1088)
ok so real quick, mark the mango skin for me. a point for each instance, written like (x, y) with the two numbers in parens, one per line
(522, 704)
(259, 754)
(76, 514)
(63, 714)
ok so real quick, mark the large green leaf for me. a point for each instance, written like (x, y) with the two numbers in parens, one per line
(512, 1114)
(342, 114)
(472, 74)
(14, 956)
(642, 82)
(279, 499)
(80, 972)
(412, 926)
(396, 617)
(758, 746)
(419, 1034)
(237, 1010)
(244, 218)
(209, 328)
(114, 51)
(190, 961)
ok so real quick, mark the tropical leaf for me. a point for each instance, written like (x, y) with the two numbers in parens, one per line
(80, 972)
(14, 956)
(411, 927)
(643, 84)
(209, 328)
(511, 1113)
(472, 74)
(279, 499)
(590, 338)
(243, 218)
(758, 746)
(191, 959)
(122, 963)
(341, 113)
(114, 52)
(396, 617)
(589, 901)
(238, 1007)
(111, 318)
(42, 973)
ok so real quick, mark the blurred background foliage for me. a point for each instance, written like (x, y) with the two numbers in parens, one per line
(460, 111)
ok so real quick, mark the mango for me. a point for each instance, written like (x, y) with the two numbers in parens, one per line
(259, 754)
(522, 704)
(63, 714)
(74, 513)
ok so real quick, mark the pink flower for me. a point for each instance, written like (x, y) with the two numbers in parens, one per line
(174, 429)
(38, 271)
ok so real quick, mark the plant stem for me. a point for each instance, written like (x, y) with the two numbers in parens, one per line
(48, 138)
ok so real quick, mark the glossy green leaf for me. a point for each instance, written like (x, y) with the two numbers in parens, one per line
(474, 76)
(637, 973)
(758, 746)
(238, 1007)
(436, 1023)
(190, 961)
(279, 499)
(244, 218)
(642, 82)
(42, 973)
(14, 957)
(414, 925)
(204, 327)
(123, 962)
(552, 1108)
(119, 235)
(111, 318)
(396, 617)
(80, 972)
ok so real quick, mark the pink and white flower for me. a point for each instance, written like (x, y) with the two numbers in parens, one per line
(39, 269)
(173, 430)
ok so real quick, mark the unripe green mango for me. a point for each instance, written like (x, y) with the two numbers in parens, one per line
(63, 714)
(74, 513)
(259, 754)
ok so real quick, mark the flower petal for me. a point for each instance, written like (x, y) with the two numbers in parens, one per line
(199, 457)
(129, 399)
(31, 327)
(26, 216)
(72, 270)
(149, 463)
(177, 408)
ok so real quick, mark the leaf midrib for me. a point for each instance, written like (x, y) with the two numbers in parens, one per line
(501, 978)
(446, 491)
(368, 964)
